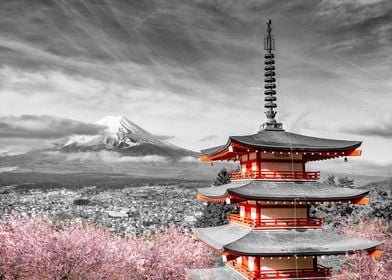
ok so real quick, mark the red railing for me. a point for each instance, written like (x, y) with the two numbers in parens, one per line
(276, 223)
(280, 175)
(320, 271)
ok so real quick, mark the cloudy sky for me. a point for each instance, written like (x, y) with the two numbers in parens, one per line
(193, 70)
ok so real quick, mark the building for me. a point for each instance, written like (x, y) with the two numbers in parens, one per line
(273, 236)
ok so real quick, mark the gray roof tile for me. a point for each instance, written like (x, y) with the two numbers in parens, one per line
(283, 190)
(244, 241)
(286, 141)
(215, 273)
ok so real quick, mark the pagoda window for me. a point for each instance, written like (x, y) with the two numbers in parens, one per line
(242, 211)
(251, 263)
(283, 213)
(253, 213)
(243, 168)
(244, 158)
(245, 261)
(254, 166)
(281, 166)
(285, 263)
(281, 156)
(252, 156)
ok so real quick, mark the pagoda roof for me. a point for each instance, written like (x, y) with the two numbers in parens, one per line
(282, 191)
(285, 141)
(217, 273)
(244, 241)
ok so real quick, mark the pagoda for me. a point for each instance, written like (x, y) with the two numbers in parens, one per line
(273, 235)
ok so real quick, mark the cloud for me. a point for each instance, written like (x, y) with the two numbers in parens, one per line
(189, 159)
(185, 67)
(208, 138)
(45, 127)
(149, 158)
(8, 169)
(164, 137)
(107, 157)
(380, 128)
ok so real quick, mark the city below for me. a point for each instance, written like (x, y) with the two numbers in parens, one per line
(125, 210)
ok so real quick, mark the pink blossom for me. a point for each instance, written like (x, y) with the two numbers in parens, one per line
(361, 266)
(39, 249)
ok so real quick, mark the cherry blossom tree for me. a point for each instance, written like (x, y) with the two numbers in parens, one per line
(361, 266)
(39, 249)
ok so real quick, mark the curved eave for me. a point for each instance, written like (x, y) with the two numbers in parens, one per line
(349, 145)
(215, 150)
(283, 141)
(282, 191)
(234, 239)
(216, 273)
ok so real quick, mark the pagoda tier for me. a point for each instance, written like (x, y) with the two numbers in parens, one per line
(282, 191)
(277, 163)
(282, 254)
(241, 241)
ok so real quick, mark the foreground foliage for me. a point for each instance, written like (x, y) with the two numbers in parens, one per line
(215, 213)
(361, 266)
(379, 208)
(39, 249)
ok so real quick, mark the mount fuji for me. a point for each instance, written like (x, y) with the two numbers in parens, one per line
(123, 136)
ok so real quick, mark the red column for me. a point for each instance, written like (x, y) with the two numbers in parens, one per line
(248, 210)
(257, 266)
(258, 158)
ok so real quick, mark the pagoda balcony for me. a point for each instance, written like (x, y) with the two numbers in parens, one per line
(276, 175)
(277, 223)
(319, 272)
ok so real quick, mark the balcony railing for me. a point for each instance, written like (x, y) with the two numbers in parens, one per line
(277, 175)
(320, 271)
(277, 223)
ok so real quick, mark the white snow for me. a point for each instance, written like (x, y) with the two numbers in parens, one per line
(119, 130)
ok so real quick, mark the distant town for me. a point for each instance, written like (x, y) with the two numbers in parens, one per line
(127, 210)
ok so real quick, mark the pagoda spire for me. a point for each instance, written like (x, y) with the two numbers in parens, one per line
(270, 92)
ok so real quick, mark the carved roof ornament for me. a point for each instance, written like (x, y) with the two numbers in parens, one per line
(270, 92)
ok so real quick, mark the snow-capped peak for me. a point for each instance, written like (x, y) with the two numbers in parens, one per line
(120, 123)
(120, 133)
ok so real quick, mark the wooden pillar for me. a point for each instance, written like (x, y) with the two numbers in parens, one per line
(257, 266)
(248, 208)
(258, 159)
(258, 214)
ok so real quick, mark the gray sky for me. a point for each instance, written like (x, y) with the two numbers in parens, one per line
(193, 70)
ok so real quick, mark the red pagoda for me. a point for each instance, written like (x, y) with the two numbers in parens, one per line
(273, 236)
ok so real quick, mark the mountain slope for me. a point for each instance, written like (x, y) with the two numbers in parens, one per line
(123, 136)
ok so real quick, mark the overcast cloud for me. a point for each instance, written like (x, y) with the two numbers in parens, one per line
(195, 68)
(45, 127)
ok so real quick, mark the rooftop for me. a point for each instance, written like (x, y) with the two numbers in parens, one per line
(285, 141)
(216, 273)
(282, 191)
(245, 241)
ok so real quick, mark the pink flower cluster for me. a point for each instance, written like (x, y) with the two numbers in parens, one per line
(39, 249)
(361, 266)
